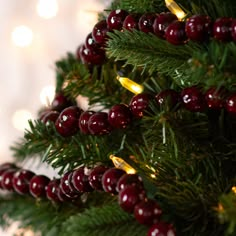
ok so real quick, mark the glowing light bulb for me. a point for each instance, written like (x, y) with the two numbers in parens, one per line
(121, 164)
(20, 119)
(22, 36)
(234, 189)
(47, 8)
(47, 95)
(175, 9)
(130, 85)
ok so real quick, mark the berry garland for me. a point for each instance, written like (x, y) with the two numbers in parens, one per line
(198, 28)
(129, 187)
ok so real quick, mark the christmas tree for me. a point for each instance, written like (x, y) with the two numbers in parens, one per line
(154, 153)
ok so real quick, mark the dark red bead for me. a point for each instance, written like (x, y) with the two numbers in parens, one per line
(98, 124)
(115, 19)
(110, 179)
(52, 190)
(233, 30)
(62, 197)
(7, 179)
(230, 104)
(222, 29)
(21, 181)
(119, 116)
(198, 28)
(129, 197)
(129, 179)
(67, 187)
(147, 212)
(139, 103)
(131, 22)
(60, 102)
(145, 23)
(161, 22)
(90, 42)
(4, 168)
(67, 122)
(215, 98)
(95, 177)
(80, 181)
(168, 97)
(51, 116)
(38, 186)
(193, 99)
(83, 121)
(161, 229)
(99, 32)
(175, 33)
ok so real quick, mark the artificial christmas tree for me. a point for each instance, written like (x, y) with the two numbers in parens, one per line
(154, 153)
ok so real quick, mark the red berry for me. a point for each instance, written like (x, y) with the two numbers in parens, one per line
(90, 42)
(50, 116)
(98, 124)
(7, 179)
(139, 103)
(119, 116)
(95, 177)
(193, 99)
(62, 197)
(222, 29)
(80, 181)
(67, 122)
(129, 197)
(99, 32)
(175, 33)
(110, 179)
(131, 22)
(198, 28)
(147, 212)
(168, 97)
(230, 104)
(60, 102)
(83, 121)
(2, 171)
(161, 229)
(52, 190)
(161, 22)
(115, 19)
(215, 98)
(233, 30)
(129, 179)
(21, 181)
(146, 22)
(67, 187)
(38, 186)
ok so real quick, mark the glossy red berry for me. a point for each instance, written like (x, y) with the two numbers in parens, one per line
(67, 187)
(131, 22)
(175, 33)
(145, 23)
(110, 179)
(230, 104)
(147, 212)
(233, 30)
(21, 181)
(119, 116)
(52, 190)
(60, 102)
(129, 179)
(95, 177)
(198, 28)
(83, 121)
(7, 179)
(62, 197)
(215, 98)
(90, 43)
(129, 197)
(80, 181)
(38, 186)
(51, 116)
(161, 229)
(4, 168)
(139, 104)
(115, 19)
(222, 29)
(98, 124)
(161, 22)
(169, 98)
(67, 122)
(193, 99)
(99, 32)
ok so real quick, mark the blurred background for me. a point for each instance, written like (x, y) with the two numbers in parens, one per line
(34, 34)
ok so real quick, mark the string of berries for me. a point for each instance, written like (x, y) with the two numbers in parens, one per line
(131, 193)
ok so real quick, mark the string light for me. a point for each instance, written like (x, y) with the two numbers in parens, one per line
(175, 9)
(47, 8)
(234, 189)
(20, 119)
(121, 164)
(47, 95)
(22, 36)
(130, 85)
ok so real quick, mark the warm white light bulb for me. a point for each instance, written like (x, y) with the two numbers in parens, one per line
(47, 8)
(47, 95)
(22, 36)
(20, 119)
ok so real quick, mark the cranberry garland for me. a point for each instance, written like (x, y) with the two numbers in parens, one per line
(129, 187)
